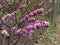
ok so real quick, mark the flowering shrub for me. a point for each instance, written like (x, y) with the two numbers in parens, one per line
(10, 22)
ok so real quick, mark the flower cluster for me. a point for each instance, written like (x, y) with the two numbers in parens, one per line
(32, 26)
(48, 11)
(5, 33)
(21, 7)
(9, 16)
(31, 14)
(41, 4)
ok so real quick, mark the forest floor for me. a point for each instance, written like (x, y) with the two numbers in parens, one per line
(57, 35)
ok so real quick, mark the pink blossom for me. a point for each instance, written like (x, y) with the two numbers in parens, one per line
(48, 11)
(41, 4)
(21, 7)
(21, 31)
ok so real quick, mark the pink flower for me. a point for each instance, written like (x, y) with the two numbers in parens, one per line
(21, 7)
(48, 11)
(3, 31)
(30, 26)
(18, 31)
(31, 14)
(21, 31)
(36, 25)
(41, 4)
(33, 19)
(35, 12)
(41, 10)
(11, 16)
(45, 23)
